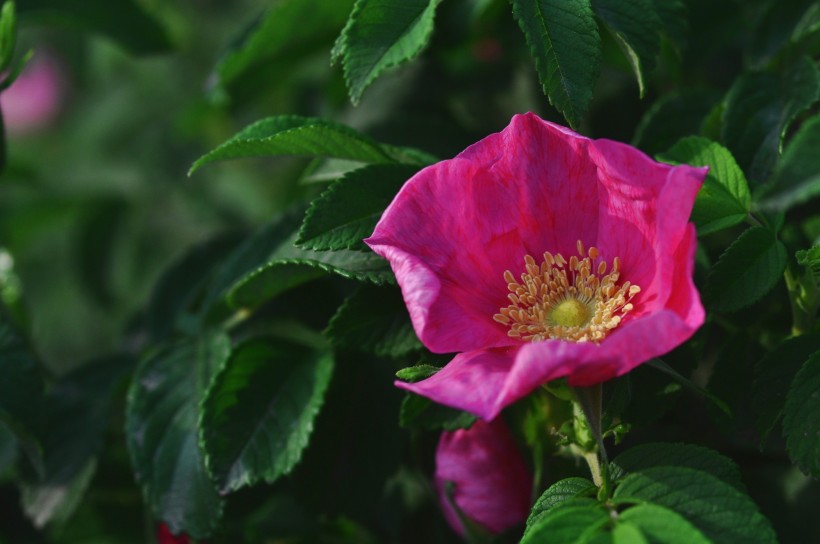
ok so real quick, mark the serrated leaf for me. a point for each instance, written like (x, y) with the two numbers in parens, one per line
(305, 137)
(422, 413)
(563, 39)
(717, 509)
(559, 493)
(673, 117)
(746, 271)
(801, 419)
(683, 455)
(797, 178)
(567, 525)
(161, 432)
(21, 392)
(774, 374)
(661, 524)
(634, 25)
(125, 21)
(270, 37)
(374, 319)
(724, 199)
(348, 210)
(759, 108)
(258, 414)
(379, 35)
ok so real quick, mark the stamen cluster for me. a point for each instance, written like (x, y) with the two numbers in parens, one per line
(575, 300)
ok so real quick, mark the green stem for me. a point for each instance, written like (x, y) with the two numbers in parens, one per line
(591, 400)
(801, 322)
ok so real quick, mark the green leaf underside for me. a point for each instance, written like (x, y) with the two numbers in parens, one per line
(659, 524)
(124, 21)
(348, 210)
(746, 271)
(271, 37)
(797, 178)
(717, 509)
(161, 424)
(382, 34)
(558, 493)
(635, 27)
(724, 199)
(21, 392)
(374, 319)
(563, 39)
(259, 412)
(419, 412)
(682, 455)
(305, 137)
(801, 420)
(567, 525)
(774, 374)
(759, 108)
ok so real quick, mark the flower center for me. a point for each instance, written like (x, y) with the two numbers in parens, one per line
(575, 300)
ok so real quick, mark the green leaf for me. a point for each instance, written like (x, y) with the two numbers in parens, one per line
(626, 533)
(258, 414)
(161, 432)
(382, 34)
(374, 319)
(422, 413)
(21, 392)
(683, 455)
(673, 117)
(561, 492)
(774, 374)
(634, 25)
(717, 509)
(563, 38)
(349, 209)
(98, 239)
(661, 524)
(78, 409)
(124, 21)
(674, 21)
(567, 525)
(760, 106)
(777, 29)
(724, 199)
(294, 267)
(810, 258)
(302, 136)
(801, 420)
(271, 36)
(797, 178)
(8, 34)
(746, 271)
(659, 364)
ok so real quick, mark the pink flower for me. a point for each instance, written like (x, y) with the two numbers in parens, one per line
(490, 482)
(165, 536)
(33, 100)
(609, 286)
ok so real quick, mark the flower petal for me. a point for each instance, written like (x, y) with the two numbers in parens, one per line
(491, 481)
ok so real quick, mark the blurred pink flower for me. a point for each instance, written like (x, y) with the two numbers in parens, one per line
(33, 100)
(610, 285)
(491, 483)
(165, 536)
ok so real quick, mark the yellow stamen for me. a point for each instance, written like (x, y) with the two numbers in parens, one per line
(579, 302)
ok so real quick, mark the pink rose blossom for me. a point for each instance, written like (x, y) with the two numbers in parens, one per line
(165, 536)
(490, 482)
(33, 100)
(608, 286)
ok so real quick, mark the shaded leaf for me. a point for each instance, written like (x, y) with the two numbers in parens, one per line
(746, 271)
(777, 28)
(801, 419)
(422, 413)
(567, 525)
(258, 413)
(347, 212)
(379, 35)
(717, 509)
(563, 39)
(724, 199)
(673, 117)
(161, 426)
(635, 26)
(675, 21)
(797, 178)
(559, 493)
(374, 319)
(661, 524)
(760, 106)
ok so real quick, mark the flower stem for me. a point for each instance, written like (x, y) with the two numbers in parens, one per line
(590, 401)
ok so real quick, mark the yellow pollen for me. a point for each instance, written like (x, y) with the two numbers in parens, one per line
(573, 300)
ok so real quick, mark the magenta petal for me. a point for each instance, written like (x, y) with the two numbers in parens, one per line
(491, 483)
